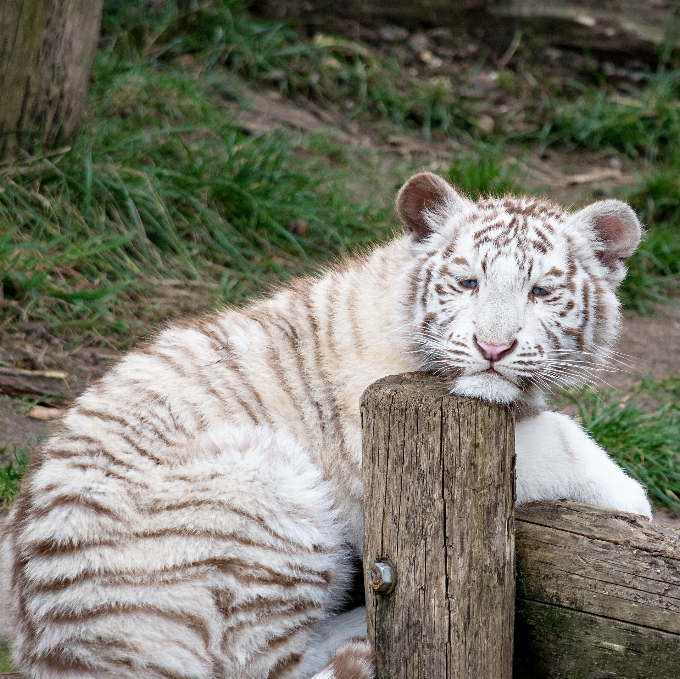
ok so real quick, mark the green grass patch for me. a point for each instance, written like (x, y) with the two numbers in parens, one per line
(640, 122)
(324, 68)
(654, 273)
(654, 270)
(6, 660)
(162, 185)
(11, 474)
(641, 430)
(483, 171)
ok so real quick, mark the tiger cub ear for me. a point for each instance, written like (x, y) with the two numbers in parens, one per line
(425, 202)
(615, 234)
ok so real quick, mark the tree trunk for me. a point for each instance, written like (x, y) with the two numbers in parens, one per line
(46, 53)
(438, 476)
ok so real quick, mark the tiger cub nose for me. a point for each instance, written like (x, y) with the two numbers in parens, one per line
(494, 352)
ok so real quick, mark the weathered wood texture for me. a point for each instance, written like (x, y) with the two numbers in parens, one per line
(14, 382)
(46, 53)
(622, 26)
(438, 477)
(598, 594)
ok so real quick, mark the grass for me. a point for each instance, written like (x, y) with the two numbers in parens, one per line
(641, 430)
(11, 473)
(330, 69)
(639, 122)
(162, 185)
(6, 664)
(484, 170)
(654, 270)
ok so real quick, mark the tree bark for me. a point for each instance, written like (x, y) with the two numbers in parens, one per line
(438, 477)
(46, 53)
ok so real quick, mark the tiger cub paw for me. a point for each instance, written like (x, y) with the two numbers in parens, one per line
(354, 659)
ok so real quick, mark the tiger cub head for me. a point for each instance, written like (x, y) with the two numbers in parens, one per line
(512, 295)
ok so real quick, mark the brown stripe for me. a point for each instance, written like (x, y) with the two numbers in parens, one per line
(329, 395)
(298, 353)
(110, 608)
(76, 501)
(285, 666)
(233, 363)
(429, 272)
(358, 343)
(158, 352)
(353, 660)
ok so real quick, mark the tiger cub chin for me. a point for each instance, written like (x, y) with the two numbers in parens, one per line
(197, 511)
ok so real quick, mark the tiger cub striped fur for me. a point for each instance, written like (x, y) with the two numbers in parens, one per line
(196, 514)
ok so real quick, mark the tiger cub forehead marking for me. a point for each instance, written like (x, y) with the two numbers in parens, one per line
(520, 228)
(523, 223)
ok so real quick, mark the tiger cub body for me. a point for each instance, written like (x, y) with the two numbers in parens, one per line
(197, 511)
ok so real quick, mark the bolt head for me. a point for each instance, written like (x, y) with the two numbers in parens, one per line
(382, 577)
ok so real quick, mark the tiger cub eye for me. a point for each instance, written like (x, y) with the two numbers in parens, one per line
(469, 283)
(539, 292)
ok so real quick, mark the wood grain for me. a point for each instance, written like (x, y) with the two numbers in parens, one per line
(598, 594)
(439, 495)
(14, 381)
(46, 53)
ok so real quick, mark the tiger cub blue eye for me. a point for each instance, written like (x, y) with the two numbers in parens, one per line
(469, 283)
(539, 292)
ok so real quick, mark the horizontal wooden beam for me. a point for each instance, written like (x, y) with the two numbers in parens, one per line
(598, 594)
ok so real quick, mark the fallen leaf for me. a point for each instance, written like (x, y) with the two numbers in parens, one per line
(43, 413)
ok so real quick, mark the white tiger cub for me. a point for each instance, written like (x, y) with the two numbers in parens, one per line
(197, 511)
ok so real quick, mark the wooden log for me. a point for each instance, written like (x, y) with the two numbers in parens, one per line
(598, 594)
(14, 382)
(627, 27)
(438, 475)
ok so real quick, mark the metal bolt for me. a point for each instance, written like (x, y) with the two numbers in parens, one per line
(382, 576)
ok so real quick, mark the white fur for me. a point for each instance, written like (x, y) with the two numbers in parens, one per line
(556, 459)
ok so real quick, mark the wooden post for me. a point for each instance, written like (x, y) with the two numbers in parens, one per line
(438, 476)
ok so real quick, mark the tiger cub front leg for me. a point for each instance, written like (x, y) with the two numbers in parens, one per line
(556, 459)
